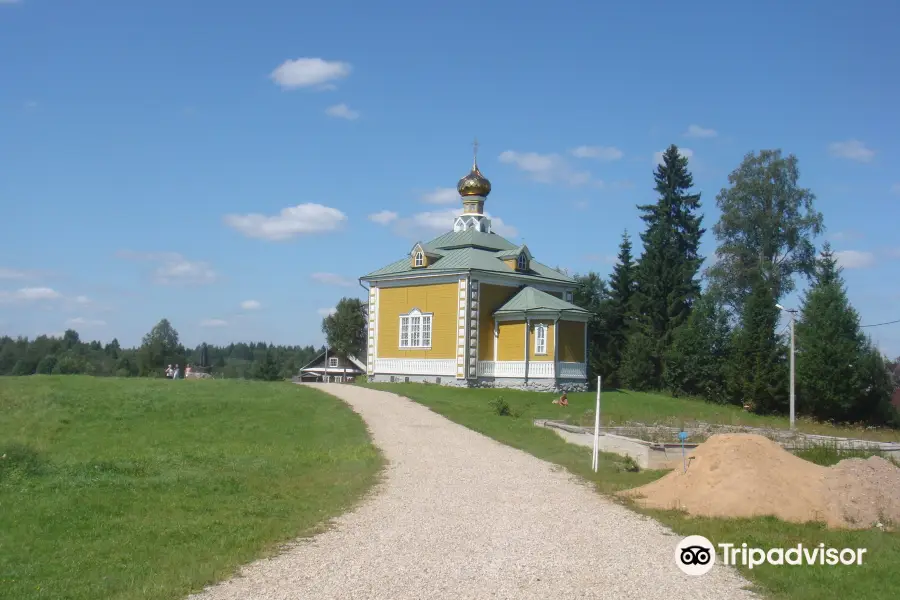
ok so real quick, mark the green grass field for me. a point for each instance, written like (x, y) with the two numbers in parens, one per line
(878, 578)
(138, 488)
(620, 406)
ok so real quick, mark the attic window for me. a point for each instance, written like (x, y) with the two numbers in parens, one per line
(522, 262)
(332, 361)
(419, 259)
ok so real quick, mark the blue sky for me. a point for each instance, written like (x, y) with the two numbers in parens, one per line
(235, 167)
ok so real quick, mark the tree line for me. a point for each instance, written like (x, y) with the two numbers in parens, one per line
(656, 326)
(160, 347)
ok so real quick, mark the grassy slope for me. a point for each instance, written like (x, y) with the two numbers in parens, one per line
(877, 578)
(621, 406)
(137, 488)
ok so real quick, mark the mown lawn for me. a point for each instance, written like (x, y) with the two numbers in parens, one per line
(149, 489)
(878, 577)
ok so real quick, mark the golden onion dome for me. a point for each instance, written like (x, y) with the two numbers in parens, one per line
(474, 184)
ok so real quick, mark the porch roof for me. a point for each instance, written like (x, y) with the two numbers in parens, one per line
(531, 300)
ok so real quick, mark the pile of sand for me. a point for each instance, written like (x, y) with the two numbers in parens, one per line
(747, 475)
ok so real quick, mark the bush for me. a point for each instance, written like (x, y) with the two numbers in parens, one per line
(46, 365)
(501, 407)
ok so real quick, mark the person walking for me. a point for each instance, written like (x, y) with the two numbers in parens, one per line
(169, 372)
(176, 373)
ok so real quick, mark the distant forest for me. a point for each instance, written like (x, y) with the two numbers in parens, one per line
(69, 354)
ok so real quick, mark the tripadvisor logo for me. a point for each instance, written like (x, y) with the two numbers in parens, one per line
(696, 555)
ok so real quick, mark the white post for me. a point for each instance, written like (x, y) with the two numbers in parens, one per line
(792, 372)
(596, 461)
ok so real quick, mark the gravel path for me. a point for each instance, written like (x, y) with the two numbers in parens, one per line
(462, 516)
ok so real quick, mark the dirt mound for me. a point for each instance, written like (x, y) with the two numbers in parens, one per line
(864, 492)
(747, 475)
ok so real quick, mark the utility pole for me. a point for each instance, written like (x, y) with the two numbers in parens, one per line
(792, 313)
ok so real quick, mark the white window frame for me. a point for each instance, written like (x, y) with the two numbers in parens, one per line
(416, 330)
(332, 361)
(522, 262)
(419, 259)
(540, 339)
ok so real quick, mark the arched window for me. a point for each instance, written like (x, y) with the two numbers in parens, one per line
(419, 259)
(540, 339)
(522, 262)
(415, 330)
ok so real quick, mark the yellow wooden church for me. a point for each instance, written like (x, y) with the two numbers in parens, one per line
(469, 308)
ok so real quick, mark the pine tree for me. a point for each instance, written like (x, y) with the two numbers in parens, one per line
(696, 364)
(667, 283)
(757, 373)
(839, 374)
(621, 292)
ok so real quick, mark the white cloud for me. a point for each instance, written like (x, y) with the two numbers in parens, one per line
(342, 111)
(173, 268)
(582, 204)
(331, 279)
(31, 294)
(441, 196)
(81, 300)
(851, 150)
(895, 189)
(84, 322)
(250, 305)
(12, 274)
(436, 221)
(309, 72)
(685, 152)
(290, 222)
(499, 227)
(324, 312)
(545, 168)
(213, 323)
(384, 217)
(598, 152)
(695, 131)
(854, 259)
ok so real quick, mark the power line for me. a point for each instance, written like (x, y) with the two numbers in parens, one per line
(880, 324)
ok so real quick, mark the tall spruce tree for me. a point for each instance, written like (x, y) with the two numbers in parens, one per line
(667, 282)
(621, 292)
(840, 376)
(757, 373)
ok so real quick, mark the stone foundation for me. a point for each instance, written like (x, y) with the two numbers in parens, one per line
(534, 385)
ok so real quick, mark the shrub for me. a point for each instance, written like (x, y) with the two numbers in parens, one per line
(501, 407)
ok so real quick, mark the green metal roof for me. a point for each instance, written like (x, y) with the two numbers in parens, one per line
(470, 238)
(514, 253)
(470, 259)
(532, 300)
(470, 251)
